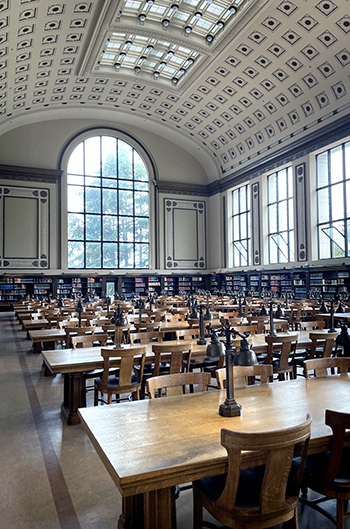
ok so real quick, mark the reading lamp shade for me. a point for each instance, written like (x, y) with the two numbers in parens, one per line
(245, 356)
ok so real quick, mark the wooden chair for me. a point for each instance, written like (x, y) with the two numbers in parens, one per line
(282, 361)
(328, 473)
(187, 334)
(313, 325)
(277, 327)
(322, 345)
(146, 337)
(177, 383)
(259, 322)
(88, 340)
(146, 327)
(262, 496)
(126, 382)
(242, 374)
(294, 317)
(179, 355)
(73, 331)
(322, 367)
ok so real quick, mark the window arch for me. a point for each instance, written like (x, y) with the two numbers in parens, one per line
(107, 205)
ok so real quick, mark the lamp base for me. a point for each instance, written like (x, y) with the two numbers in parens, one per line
(230, 409)
(201, 341)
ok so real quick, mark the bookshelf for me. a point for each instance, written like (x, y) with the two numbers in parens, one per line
(185, 284)
(154, 284)
(171, 285)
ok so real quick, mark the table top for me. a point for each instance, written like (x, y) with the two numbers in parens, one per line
(88, 358)
(157, 443)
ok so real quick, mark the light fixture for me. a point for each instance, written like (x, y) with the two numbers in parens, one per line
(220, 25)
(174, 80)
(149, 48)
(188, 30)
(162, 65)
(117, 65)
(165, 23)
(209, 38)
(122, 56)
(127, 44)
(182, 71)
(137, 69)
(156, 74)
(142, 59)
(119, 321)
(232, 9)
(142, 17)
(150, 2)
(189, 62)
(198, 15)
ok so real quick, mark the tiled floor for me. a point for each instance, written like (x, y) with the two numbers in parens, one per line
(51, 476)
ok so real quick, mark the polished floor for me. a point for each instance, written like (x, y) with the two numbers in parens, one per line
(51, 476)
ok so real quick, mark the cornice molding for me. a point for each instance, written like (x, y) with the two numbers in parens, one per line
(29, 174)
(179, 188)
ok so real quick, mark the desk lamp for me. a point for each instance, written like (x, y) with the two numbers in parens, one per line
(331, 325)
(118, 319)
(79, 309)
(201, 340)
(140, 304)
(343, 339)
(272, 332)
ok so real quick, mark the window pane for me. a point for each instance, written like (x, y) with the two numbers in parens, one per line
(323, 205)
(126, 184)
(291, 245)
(324, 244)
(93, 227)
(110, 255)
(92, 181)
(243, 199)
(338, 240)
(322, 169)
(141, 256)
(109, 197)
(291, 214)
(92, 200)
(126, 202)
(272, 218)
(337, 201)
(348, 236)
(336, 164)
(290, 181)
(93, 156)
(235, 203)
(140, 169)
(109, 156)
(141, 229)
(140, 186)
(141, 204)
(75, 254)
(272, 188)
(282, 185)
(74, 179)
(243, 225)
(347, 160)
(76, 161)
(126, 255)
(126, 228)
(75, 226)
(282, 216)
(75, 198)
(93, 255)
(110, 228)
(273, 251)
(348, 198)
(236, 233)
(124, 160)
(109, 182)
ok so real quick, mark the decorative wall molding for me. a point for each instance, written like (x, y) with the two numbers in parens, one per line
(178, 188)
(177, 237)
(256, 260)
(29, 174)
(301, 213)
(39, 225)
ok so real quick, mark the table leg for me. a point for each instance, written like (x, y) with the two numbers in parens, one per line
(132, 516)
(74, 397)
(159, 509)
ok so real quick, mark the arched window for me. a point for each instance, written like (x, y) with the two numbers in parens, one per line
(108, 205)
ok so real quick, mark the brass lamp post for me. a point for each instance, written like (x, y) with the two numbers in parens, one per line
(118, 319)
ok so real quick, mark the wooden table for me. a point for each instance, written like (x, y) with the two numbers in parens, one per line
(150, 446)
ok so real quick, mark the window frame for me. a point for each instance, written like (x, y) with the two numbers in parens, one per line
(240, 216)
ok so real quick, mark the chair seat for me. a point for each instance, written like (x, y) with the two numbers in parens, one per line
(249, 488)
(315, 462)
(114, 382)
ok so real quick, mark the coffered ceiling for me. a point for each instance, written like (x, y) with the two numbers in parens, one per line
(239, 78)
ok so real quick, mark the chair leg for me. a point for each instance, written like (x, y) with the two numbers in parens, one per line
(95, 396)
(293, 523)
(340, 511)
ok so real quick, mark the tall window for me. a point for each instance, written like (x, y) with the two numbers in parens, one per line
(108, 206)
(333, 202)
(280, 216)
(241, 226)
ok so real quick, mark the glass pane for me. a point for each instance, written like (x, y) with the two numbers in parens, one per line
(75, 197)
(282, 216)
(291, 213)
(92, 181)
(291, 246)
(141, 230)
(272, 212)
(140, 170)
(126, 228)
(75, 255)
(92, 200)
(243, 225)
(109, 182)
(141, 203)
(126, 255)
(124, 160)
(93, 156)
(110, 228)
(322, 169)
(235, 203)
(348, 236)
(110, 204)
(93, 255)
(126, 203)
(141, 255)
(348, 198)
(347, 160)
(290, 181)
(236, 233)
(76, 160)
(125, 184)
(271, 185)
(109, 156)
(336, 164)
(282, 184)
(243, 198)
(338, 240)
(236, 257)
(75, 226)
(110, 256)
(93, 227)
(337, 201)
(74, 179)
(273, 251)
(140, 186)
(323, 204)
(110, 288)
(324, 245)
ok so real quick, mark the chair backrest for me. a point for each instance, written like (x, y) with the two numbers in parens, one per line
(177, 383)
(322, 342)
(287, 344)
(146, 337)
(128, 358)
(277, 327)
(252, 329)
(88, 340)
(322, 367)
(312, 325)
(73, 331)
(277, 449)
(339, 422)
(146, 327)
(241, 374)
(178, 354)
(187, 334)
(259, 322)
